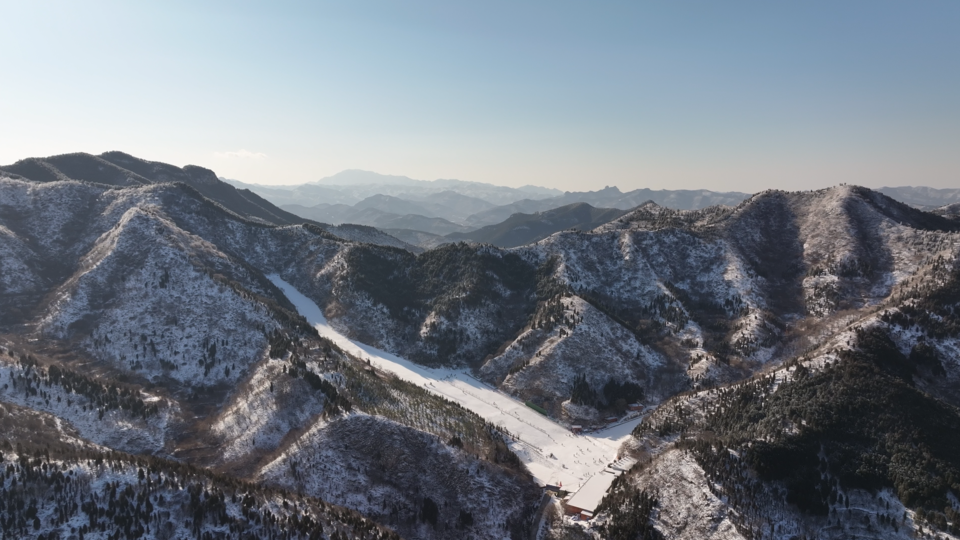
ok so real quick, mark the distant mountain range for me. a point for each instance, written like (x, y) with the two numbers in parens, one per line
(431, 213)
(521, 229)
(922, 197)
(448, 210)
(612, 197)
(442, 207)
(352, 186)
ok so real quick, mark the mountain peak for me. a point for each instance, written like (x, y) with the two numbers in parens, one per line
(607, 190)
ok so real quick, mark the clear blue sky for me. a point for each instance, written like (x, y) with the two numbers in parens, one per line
(575, 95)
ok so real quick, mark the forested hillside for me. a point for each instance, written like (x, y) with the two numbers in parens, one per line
(795, 360)
(141, 317)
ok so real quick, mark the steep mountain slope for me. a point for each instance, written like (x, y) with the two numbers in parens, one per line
(520, 229)
(123, 251)
(116, 414)
(837, 443)
(303, 423)
(543, 364)
(440, 307)
(854, 435)
(408, 479)
(56, 485)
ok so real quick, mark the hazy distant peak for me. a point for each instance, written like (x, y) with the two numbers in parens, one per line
(540, 190)
(357, 177)
(607, 190)
(379, 198)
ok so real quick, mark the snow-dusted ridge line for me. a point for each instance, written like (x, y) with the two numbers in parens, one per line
(575, 458)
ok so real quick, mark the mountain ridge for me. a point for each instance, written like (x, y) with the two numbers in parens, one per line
(116, 169)
(141, 317)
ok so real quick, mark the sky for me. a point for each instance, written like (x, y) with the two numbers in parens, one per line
(731, 95)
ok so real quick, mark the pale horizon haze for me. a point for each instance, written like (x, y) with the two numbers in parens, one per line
(727, 96)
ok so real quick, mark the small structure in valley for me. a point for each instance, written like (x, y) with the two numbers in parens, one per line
(587, 498)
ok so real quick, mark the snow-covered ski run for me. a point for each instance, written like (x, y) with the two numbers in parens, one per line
(551, 452)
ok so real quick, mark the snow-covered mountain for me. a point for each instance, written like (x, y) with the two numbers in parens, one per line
(714, 293)
(796, 358)
(663, 301)
(119, 169)
(142, 317)
(56, 485)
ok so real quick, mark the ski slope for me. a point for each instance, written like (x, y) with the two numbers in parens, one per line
(551, 452)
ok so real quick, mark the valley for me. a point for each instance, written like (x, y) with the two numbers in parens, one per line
(553, 454)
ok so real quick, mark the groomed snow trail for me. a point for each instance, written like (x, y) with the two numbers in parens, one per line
(575, 458)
